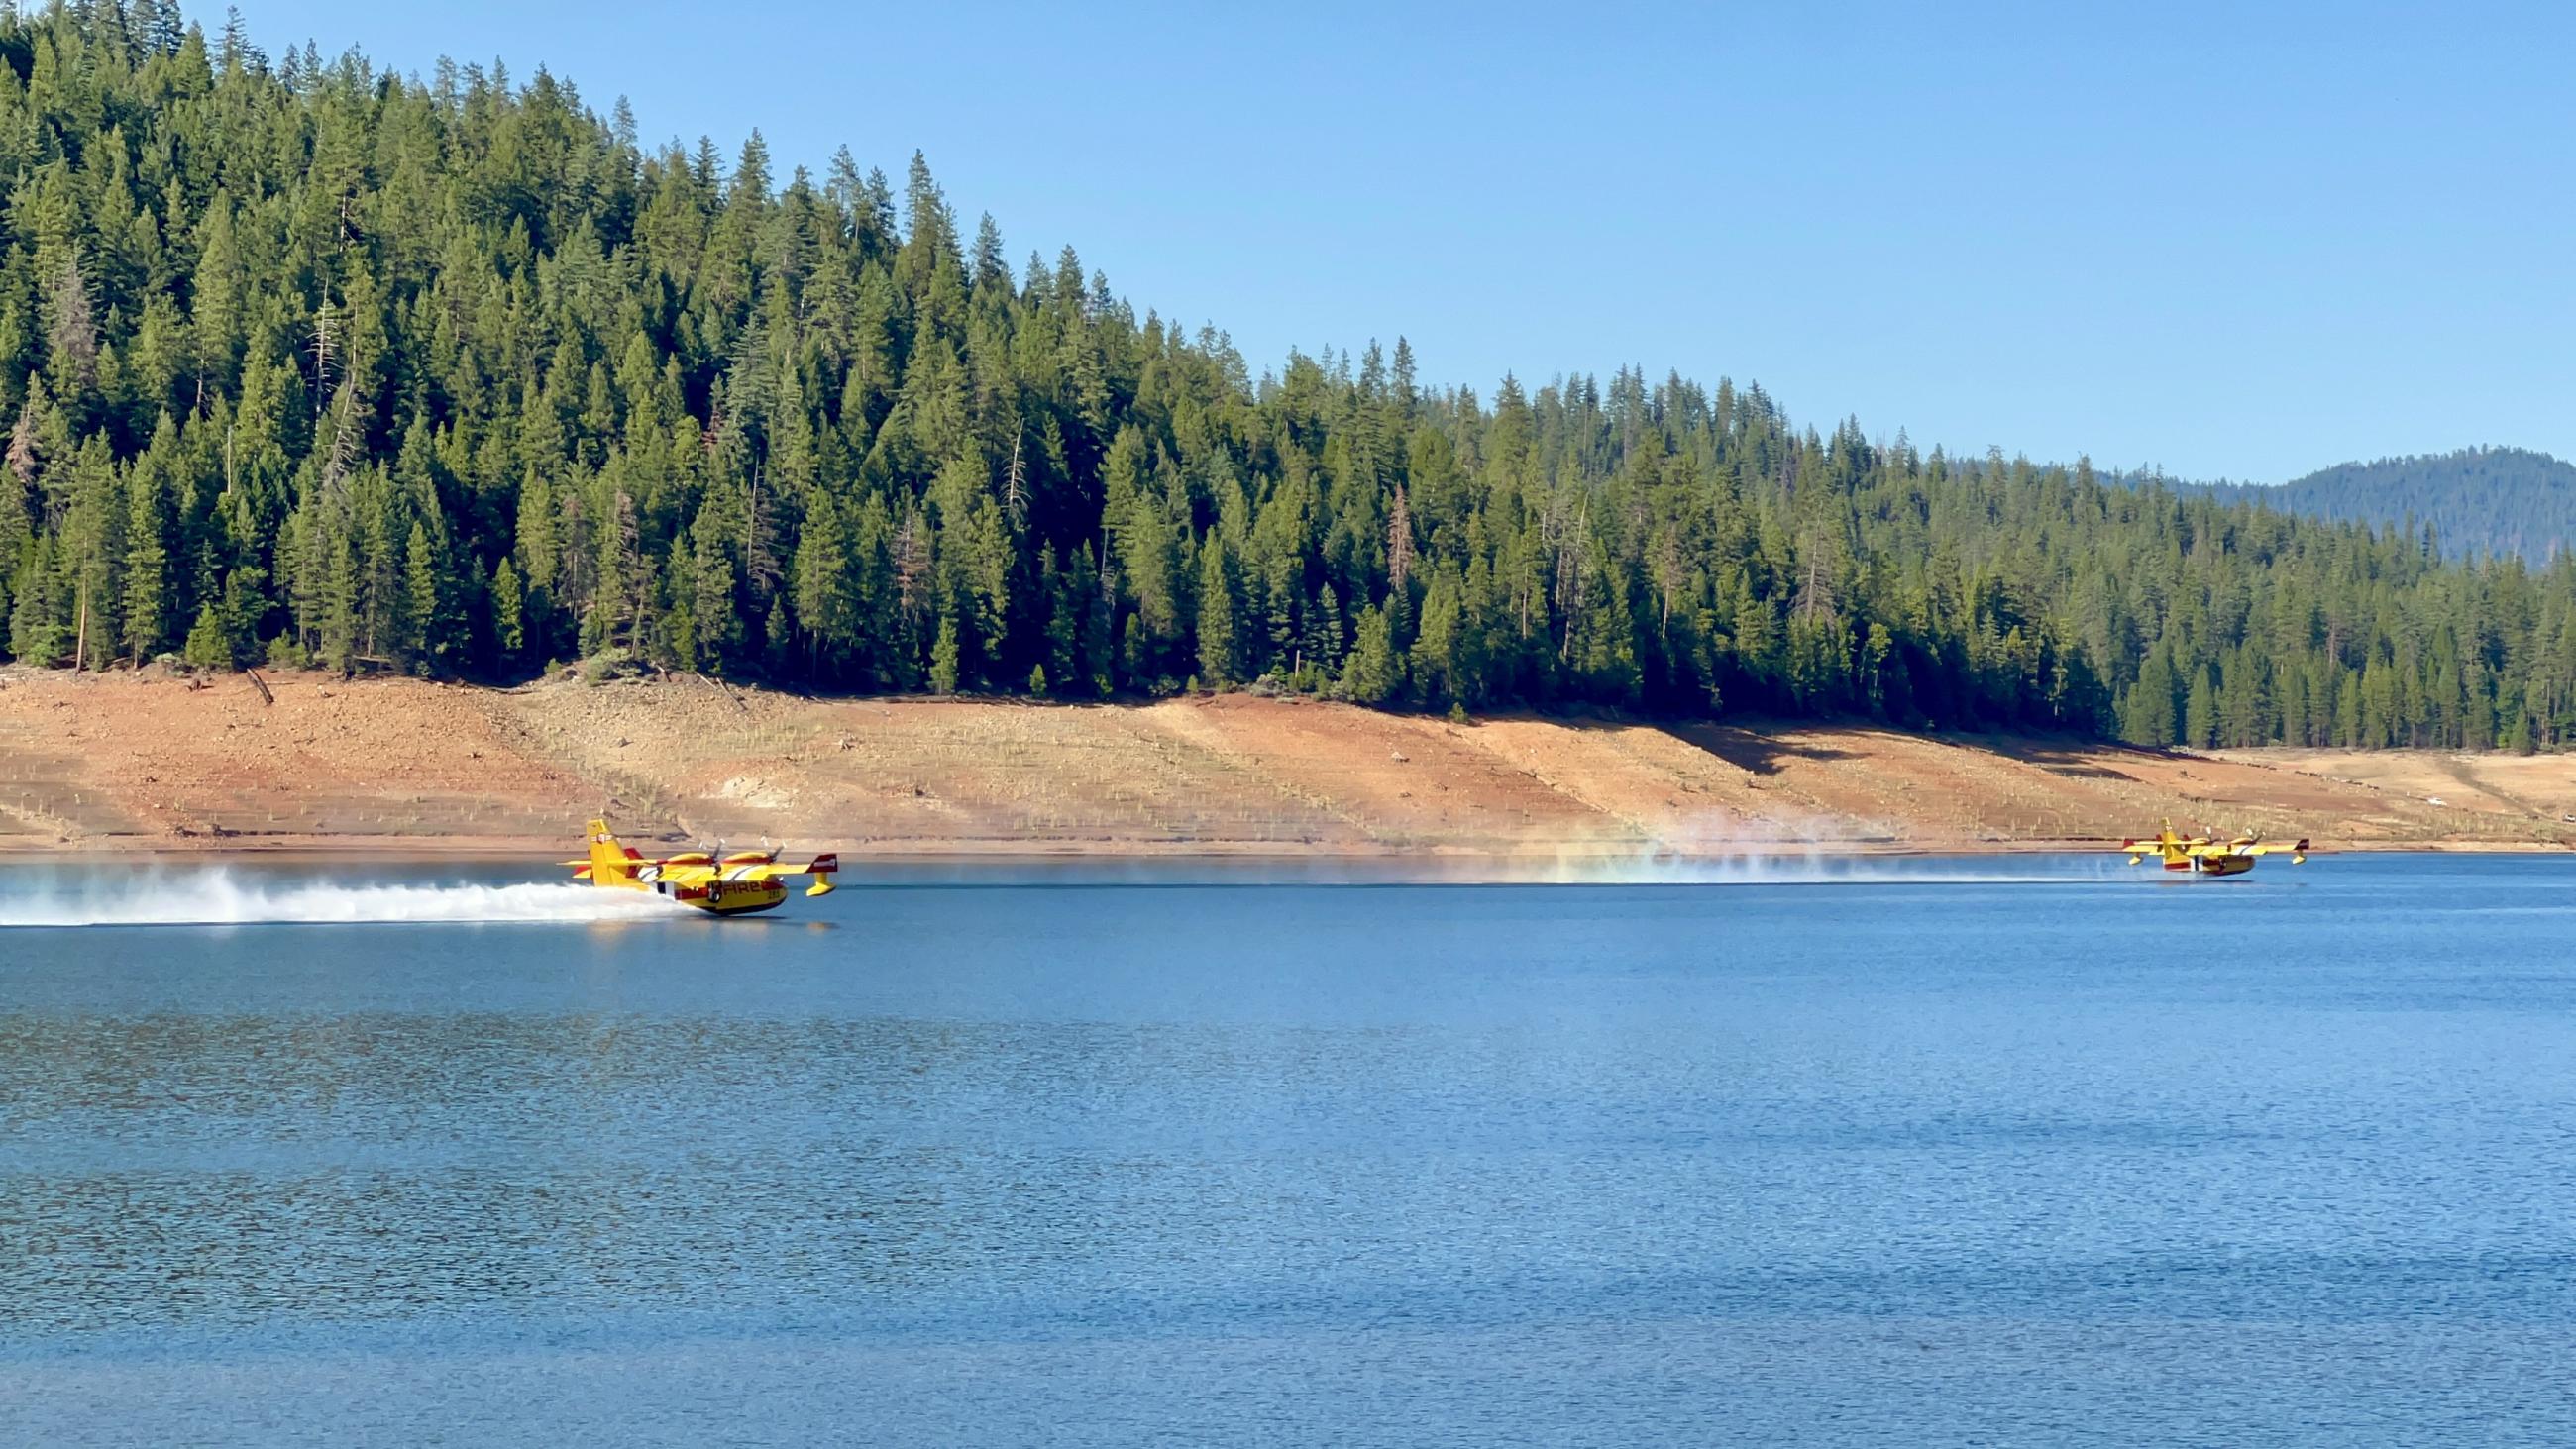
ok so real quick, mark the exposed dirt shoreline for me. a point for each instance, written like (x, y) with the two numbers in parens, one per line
(144, 764)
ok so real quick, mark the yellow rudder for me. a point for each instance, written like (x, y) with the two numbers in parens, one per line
(609, 863)
(822, 868)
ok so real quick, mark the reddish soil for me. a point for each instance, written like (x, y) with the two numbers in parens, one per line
(144, 761)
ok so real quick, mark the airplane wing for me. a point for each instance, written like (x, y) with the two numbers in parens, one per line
(821, 867)
(2273, 848)
(676, 872)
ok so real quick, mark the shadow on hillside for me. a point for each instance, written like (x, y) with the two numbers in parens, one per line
(1754, 751)
(1763, 747)
(1757, 749)
(2076, 759)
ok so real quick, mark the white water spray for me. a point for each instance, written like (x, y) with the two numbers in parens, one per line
(1723, 852)
(1821, 867)
(1723, 848)
(218, 897)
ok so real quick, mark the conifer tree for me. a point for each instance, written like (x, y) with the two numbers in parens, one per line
(509, 611)
(943, 656)
(1217, 667)
(1374, 672)
(2200, 713)
(147, 565)
(38, 633)
(424, 607)
(206, 647)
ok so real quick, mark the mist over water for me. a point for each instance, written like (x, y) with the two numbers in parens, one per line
(220, 896)
(1825, 865)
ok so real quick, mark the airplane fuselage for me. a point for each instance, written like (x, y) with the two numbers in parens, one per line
(2199, 855)
(739, 884)
(721, 897)
(2182, 864)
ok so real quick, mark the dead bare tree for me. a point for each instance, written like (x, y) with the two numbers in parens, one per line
(323, 355)
(1015, 482)
(1399, 540)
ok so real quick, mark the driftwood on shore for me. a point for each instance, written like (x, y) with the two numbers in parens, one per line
(730, 697)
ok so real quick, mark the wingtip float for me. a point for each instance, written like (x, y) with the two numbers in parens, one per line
(736, 883)
(2202, 855)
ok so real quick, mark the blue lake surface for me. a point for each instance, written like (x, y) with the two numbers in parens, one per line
(1892, 1153)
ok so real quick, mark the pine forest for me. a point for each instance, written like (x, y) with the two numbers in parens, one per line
(305, 362)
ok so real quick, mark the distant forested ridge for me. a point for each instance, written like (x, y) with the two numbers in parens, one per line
(306, 361)
(2477, 501)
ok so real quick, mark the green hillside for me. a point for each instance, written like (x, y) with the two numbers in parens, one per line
(455, 375)
(2477, 501)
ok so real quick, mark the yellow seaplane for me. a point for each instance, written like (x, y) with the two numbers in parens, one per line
(2201, 855)
(734, 884)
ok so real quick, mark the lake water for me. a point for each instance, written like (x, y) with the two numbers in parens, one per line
(1898, 1153)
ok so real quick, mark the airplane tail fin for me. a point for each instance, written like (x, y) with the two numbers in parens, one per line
(2172, 847)
(610, 862)
(2167, 847)
(822, 869)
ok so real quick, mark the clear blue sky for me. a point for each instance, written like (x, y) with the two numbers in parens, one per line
(2230, 244)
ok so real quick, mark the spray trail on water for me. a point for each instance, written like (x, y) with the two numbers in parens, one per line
(1823, 867)
(216, 897)
(1730, 849)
